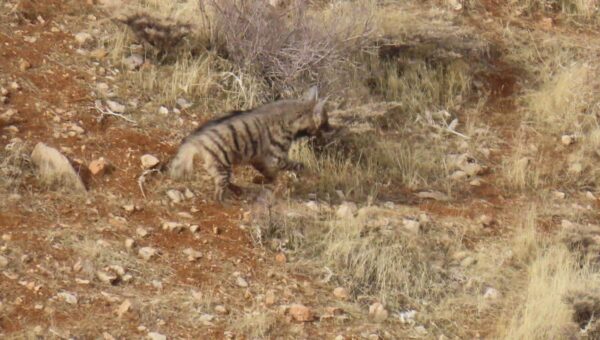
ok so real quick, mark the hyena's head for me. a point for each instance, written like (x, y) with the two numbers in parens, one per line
(313, 121)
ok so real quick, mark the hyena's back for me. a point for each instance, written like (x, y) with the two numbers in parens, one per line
(261, 137)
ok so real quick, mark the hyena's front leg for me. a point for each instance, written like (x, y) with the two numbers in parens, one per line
(222, 178)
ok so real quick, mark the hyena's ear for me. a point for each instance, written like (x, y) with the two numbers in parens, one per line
(319, 113)
(311, 95)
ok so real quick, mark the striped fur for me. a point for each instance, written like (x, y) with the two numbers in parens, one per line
(260, 137)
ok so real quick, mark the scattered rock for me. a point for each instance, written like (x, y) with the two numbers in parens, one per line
(458, 175)
(55, 168)
(68, 297)
(220, 309)
(123, 308)
(241, 282)
(106, 277)
(98, 166)
(134, 61)
(175, 195)
(147, 253)
(559, 195)
(412, 226)
(567, 140)
(98, 53)
(115, 107)
(141, 232)
(487, 221)
(149, 161)
(3, 262)
(300, 313)
(270, 298)
(575, 168)
(378, 312)
(15, 86)
(280, 257)
(491, 294)
(341, 293)
(129, 243)
(346, 210)
(156, 336)
(194, 228)
(192, 255)
(188, 193)
(172, 226)
(24, 65)
(408, 317)
(475, 182)
(82, 38)
(183, 104)
(163, 111)
(589, 195)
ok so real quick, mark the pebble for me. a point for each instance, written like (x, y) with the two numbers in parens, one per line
(378, 312)
(192, 254)
(566, 140)
(163, 111)
(467, 261)
(172, 226)
(129, 243)
(106, 277)
(300, 313)
(559, 195)
(82, 37)
(156, 336)
(220, 309)
(270, 298)
(115, 107)
(123, 308)
(241, 282)
(141, 232)
(147, 253)
(134, 61)
(346, 210)
(412, 226)
(491, 294)
(175, 195)
(3, 262)
(149, 161)
(68, 298)
(98, 166)
(24, 65)
(341, 293)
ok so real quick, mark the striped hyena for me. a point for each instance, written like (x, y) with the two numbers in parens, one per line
(260, 137)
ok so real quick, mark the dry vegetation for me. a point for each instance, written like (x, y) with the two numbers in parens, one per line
(460, 190)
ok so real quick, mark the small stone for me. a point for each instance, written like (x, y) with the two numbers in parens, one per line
(107, 336)
(194, 228)
(216, 230)
(220, 309)
(421, 330)
(300, 313)
(341, 293)
(458, 175)
(280, 258)
(156, 336)
(486, 221)
(3, 262)
(559, 195)
(83, 37)
(491, 294)
(183, 104)
(129, 208)
(123, 308)
(129, 243)
(3, 99)
(172, 226)
(149, 161)
(188, 193)
(147, 253)
(98, 166)
(566, 140)
(408, 317)
(15, 86)
(68, 298)
(476, 182)
(467, 261)
(134, 61)
(378, 312)
(241, 282)
(575, 168)
(24, 65)
(270, 298)
(157, 284)
(589, 195)
(98, 53)
(192, 254)
(346, 210)
(3, 91)
(412, 226)
(105, 277)
(175, 195)
(141, 232)
(163, 111)
(115, 107)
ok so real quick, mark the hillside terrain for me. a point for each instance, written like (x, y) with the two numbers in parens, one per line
(458, 198)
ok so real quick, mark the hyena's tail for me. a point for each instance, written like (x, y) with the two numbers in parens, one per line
(182, 164)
